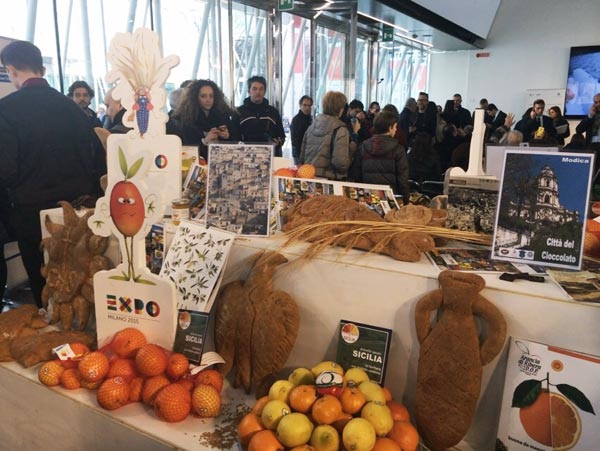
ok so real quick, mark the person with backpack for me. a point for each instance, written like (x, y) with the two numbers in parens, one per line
(326, 143)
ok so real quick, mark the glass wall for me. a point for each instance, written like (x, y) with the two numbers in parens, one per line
(224, 40)
(401, 72)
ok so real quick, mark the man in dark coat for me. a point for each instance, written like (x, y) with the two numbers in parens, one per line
(259, 121)
(48, 149)
(532, 123)
(459, 116)
(82, 94)
(590, 125)
(300, 124)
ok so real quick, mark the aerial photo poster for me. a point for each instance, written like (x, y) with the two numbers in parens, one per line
(542, 208)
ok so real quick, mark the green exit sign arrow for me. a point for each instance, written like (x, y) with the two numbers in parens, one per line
(387, 35)
(285, 5)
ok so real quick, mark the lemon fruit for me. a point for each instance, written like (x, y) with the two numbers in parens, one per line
(359, 435)
(372, 391)
(301, 376)
(294, 429)
(281, 390)
(325, 438)
(327, 365)
(379, 415)
(355, 376)
(273, 412)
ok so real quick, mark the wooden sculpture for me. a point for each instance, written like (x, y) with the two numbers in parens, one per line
(255, 325)
(451, 357)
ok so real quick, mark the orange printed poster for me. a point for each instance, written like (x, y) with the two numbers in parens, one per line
(550, 399)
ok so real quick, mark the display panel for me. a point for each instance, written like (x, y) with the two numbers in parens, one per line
(583, 81)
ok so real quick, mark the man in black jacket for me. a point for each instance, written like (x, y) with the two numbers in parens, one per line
(82, 94)
(300, 124)
(459, 116)
(536, 123)
(259, 121)
(590, 125)
(48, 149)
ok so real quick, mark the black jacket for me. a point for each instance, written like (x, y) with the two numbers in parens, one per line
(300, 124)
(48, 149)
(587, 126)
(460, 117)
(261, 123)
(382, 160)
(193, 134)
(498, 121)
(528, 126)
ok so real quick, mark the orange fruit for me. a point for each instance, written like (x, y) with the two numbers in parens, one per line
(386, 393)
(70, 379)
(80, 350)
(173, 403)
(265, 441)
(178, 365)
(152, 386)
(90, 385)
(259, 405)
(187, 382)
(591, 244)
(399, 411)
(49, 373)
(124, 368)
(285, 172)
(340, 422)
(249, 425)
(386, 444)
(113, 393)
(304, 448)
(135, 389)
(326, 409)
(127, 341)
(151, 360)
(405, 435)
(552, 420)
(303, 397)
(210, 377)
(352, 400)
(94, 366)
(206, 401)
(306, 171)
(592, 226)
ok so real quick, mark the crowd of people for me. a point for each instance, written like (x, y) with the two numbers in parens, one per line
(50, 152)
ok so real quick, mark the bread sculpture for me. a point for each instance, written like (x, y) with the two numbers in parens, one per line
(20, 322)
(451, 357)
(401, 245)
(255, 325)
(75, 255)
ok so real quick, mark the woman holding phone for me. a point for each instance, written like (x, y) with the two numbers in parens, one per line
(203, 116)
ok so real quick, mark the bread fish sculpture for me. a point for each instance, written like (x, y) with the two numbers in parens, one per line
(451, 357)
(256, 326)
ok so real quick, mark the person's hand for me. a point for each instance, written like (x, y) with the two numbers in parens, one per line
(356, 126)
(361, 115)
(461, 132)
(510, 120)
(223, 132)
(412, 129)
(592, 111)
(212, 135)
(532, 115)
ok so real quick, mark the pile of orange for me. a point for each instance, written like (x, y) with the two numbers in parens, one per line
(132, 370)
(305, 171)
(339, 419)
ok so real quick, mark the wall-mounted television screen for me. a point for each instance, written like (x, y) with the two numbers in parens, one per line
(583, 81)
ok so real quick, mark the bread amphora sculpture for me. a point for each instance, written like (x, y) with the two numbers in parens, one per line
(451, 357)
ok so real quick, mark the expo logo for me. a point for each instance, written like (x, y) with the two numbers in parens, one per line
(135, 306)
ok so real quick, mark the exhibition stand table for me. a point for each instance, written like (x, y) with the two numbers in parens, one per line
(334, 285)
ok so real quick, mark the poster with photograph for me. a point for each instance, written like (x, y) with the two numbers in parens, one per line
(472, 203)
(550, 400)
(194, 189)
(239, 188)
(290, 191)
(542, 208)
(581, 286)
(379, 198)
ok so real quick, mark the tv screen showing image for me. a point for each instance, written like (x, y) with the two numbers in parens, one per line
(583, 81)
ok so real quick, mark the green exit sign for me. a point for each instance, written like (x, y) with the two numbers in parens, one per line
(387, 35)
(285, 5)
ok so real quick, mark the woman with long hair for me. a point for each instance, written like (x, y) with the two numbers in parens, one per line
(203, 116)
(560, 124)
